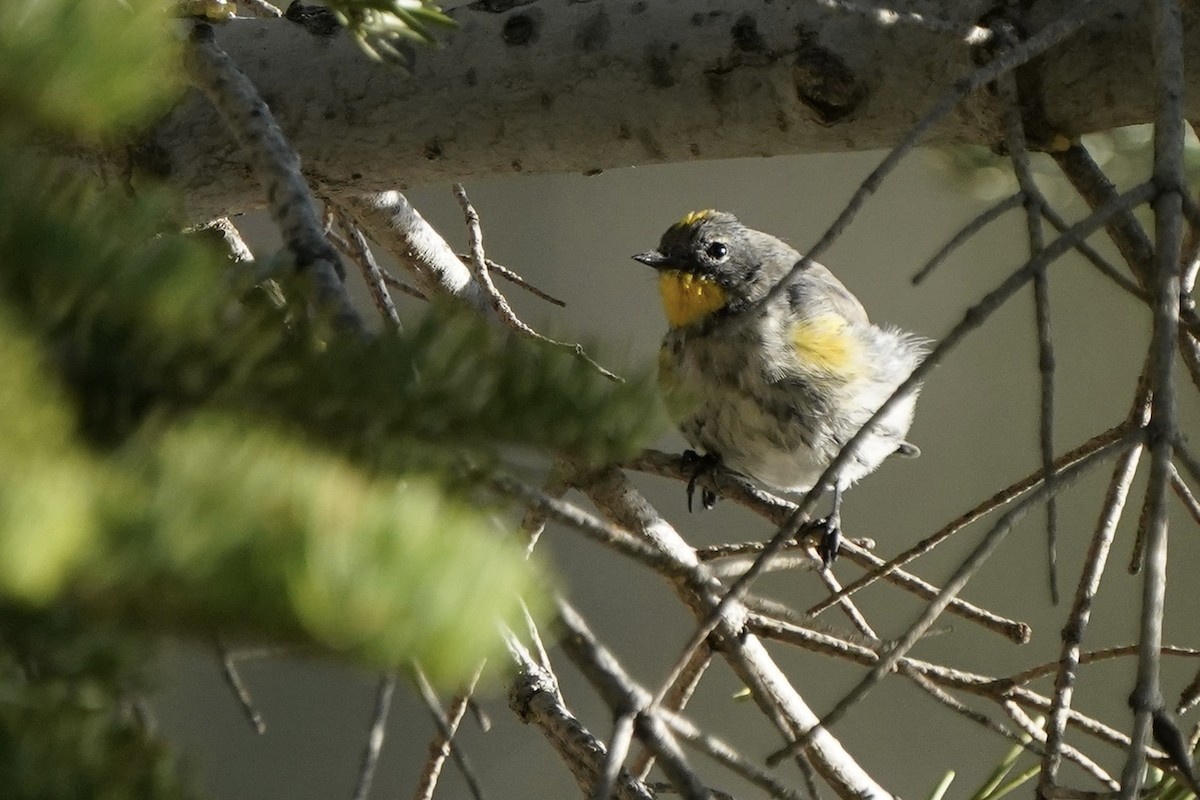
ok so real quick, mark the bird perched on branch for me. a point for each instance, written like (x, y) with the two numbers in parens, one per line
(773, 390)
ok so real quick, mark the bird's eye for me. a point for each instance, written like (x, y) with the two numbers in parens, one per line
(717, 251)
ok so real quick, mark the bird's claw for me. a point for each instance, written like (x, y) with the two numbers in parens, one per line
(700, 465)
(830, 540)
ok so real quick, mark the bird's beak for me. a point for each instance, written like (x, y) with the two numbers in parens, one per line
(652, 258)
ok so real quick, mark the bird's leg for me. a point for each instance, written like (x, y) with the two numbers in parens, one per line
(830, 528)
(700, 465)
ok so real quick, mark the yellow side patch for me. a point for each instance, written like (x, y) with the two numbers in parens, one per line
(823, 344)
(687, 298)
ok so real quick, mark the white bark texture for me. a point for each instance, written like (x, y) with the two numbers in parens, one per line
(563, 85)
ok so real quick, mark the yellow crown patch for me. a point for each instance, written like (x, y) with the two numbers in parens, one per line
(692, 217)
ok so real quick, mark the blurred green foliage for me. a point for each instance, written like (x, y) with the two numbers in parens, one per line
(1125, 154)
(180, 459)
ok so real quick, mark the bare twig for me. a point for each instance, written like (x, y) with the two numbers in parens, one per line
(957, 581)
(1123, 228)
(1057, 31)
(1102, 264)
(1085, 593)
(534, 697)
(360, 250)
(723, 754)
(612, 536)
(779, 511)
(614, 760)
(675, 701)
(512, 277)
(439, 747)
(392, 222)
(479, 266)
(1034, 731)
(605, 674)
(1185, 495)
(1093, 656)
(1035, 202)
(997, 500)
(370, 757)
(770, 688)
(1161, 432)
(395, 283)
(964, 234)
(233, 680)
(430, 699)
(277, 167)
(997, 690)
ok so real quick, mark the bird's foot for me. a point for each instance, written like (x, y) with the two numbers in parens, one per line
(699, 466)
(829, 542)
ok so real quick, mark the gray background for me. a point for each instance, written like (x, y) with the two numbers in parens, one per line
(976, 423)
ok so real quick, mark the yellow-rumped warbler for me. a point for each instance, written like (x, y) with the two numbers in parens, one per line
(774, 396)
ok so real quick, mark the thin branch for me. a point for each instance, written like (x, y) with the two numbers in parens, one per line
(512, 277)
(429, 698)
(1094, 656)
(276, 165)
(958, 707)
(846, 604)
(392, 222)
(612, 536)
(1097, 190)
(989, 687)
(978, 223)
(1085, 593)
(676, 700)
(1050, 35)
(1035, 732)
(395, 283)
(779, 511)
(479, 266)
(956, 583)
(727, 756)
(360, 251)
(1098, 261)
(1146, 700)
(374, 746)
(1127, 233)
(1035, 202)
(614, 760)
(612, 493)
(1185, 457)
(1185, 495)
(233, 680)
(626, 698)
(997, 500)
(1189, 697)
(439, 747)
(534, 697)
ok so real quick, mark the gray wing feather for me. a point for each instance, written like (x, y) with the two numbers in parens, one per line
(816, 290)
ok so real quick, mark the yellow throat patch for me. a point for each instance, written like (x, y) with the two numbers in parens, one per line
(822, 344)
(687, 297)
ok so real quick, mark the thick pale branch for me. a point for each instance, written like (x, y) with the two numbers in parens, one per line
(555, 87)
